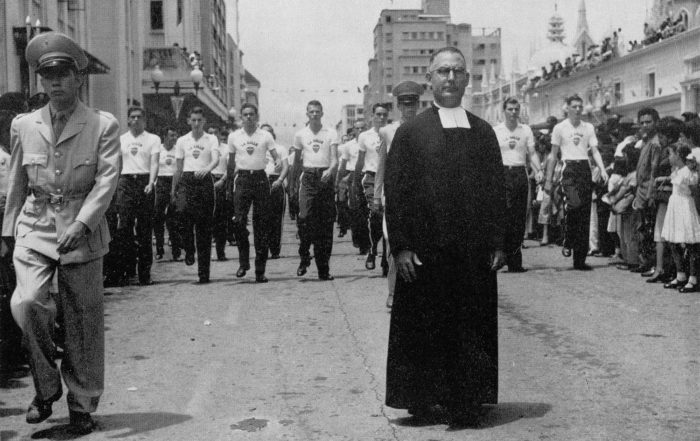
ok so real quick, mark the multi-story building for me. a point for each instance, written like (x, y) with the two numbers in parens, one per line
(664, 75)
(350, 113)
(404, 40)
(131, 38)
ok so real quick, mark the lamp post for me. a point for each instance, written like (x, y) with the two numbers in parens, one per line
(176, 100)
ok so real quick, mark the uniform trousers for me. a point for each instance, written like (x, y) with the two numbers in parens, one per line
(80, 302)
(113, 267)
(135, 209)
(516, 185)
(277, 204)
(374, 219)
(341, 205)
(251, 187)
(164, 216)
(577, 188)
(316, 218)
(195, 211)
(222, 215)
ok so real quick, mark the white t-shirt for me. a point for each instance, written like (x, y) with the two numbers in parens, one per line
(4, 171)
(515, 145)
(167, 163)
(350, 151)
(250, 150)
(198, 154)
(368, 142)
(137, 152)
(223, 155)
(315, 148)
(574, 141)
(271, 168)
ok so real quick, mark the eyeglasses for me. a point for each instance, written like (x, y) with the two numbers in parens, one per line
(444, 72)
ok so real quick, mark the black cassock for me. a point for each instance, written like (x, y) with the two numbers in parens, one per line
(445, 200)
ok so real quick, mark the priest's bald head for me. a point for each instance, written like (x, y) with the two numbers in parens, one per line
(448, 76)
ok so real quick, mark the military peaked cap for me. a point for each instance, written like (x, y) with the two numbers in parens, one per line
(407, 89)
(54, 49)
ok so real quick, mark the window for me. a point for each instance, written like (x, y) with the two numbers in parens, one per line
(388, 38)
(415, 69)
(424, 69)
(651, 84)
(440, 35)
(619, 96)
(481, 62)
(422, 35)
(350, 112)
(156, 15)
(389, 87)
(387, 19)
(179, 11)
(407, 69)
(414, 35)
(388, 72)
(405, 35)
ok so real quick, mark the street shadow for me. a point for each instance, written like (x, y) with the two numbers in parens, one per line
(491, 416)
(7, 435)
(11, 411)
(136, 423)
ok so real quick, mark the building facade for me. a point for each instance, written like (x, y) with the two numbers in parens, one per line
(350, 113)
(404, 40)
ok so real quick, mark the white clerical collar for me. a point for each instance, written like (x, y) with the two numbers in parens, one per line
(453, 117)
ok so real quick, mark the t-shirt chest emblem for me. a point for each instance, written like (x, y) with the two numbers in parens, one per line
(576, 139)
(168, 161)
(133, 149)
(250, 149)
(512, 144)
(196, 153)
(315, 147)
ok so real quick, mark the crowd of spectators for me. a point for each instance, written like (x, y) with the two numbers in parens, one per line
(646, 218)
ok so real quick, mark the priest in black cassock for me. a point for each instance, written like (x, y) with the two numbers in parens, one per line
(445, 204)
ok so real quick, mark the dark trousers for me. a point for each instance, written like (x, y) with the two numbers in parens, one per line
(195, 211)
(135, 209)
(359, 212)
(577, 188)
(516, 185)
(277, 203)
(293, 196)
(113, 268)
(316, 218)
(341, 205)
(222, 216)
(647, 246)
(11, 352)
(164, 216)
(251, 187)
(374, 219)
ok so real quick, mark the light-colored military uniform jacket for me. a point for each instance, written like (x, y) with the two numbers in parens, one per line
(52, 184)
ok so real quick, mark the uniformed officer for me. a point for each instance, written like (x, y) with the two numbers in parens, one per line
(317, 152)
(407, 95)
(136, 194)
(365, 171)
(164, 214)
(63, 173)
(248, 147)
(517, 148)
(222, 212)
(197, 154)
(276, 171)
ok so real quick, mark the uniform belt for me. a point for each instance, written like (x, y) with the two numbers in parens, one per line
(250, 172)
(135, 175)
(576, 161)
(513, 167)
(273, 176)
(315, 169)
(217, 175)
(54, 198)
(371, 173)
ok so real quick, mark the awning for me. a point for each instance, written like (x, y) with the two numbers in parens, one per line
(95, 66)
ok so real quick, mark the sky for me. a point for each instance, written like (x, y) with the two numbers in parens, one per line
(323, 45)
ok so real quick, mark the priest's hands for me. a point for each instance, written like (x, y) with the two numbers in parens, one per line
(406, 263)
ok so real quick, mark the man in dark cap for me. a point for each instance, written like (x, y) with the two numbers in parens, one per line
(63, 173)
(407, 95)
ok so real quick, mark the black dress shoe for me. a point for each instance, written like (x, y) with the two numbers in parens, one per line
(649, 273)
(40, 410)
(275, 256)
(159, 256)
(519, 269)
(222, 258)
(659, 278)
(674, 284)
(242, 270)
(566, 251)
(302, 269)
(81, 423)
(370, 262)
(260, 278)
(583, 267)
(203, 280)
(189, 259)
(146, 282)
(325, 277)
(689, 287)
(176, 256)
(639, 269)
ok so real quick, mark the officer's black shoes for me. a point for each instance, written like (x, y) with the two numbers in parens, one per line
(275, 256)
(325, 277)
(176, 255)
(242, 270)
(369, 263)
(40, 410)
(518, 269)
(203, 280)
(81, 423)
(260, 278)
(302, 269)
(146, 282)
(583, 267)
(222, 258)
(189, 259)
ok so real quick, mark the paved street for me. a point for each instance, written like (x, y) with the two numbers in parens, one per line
(583, 356)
